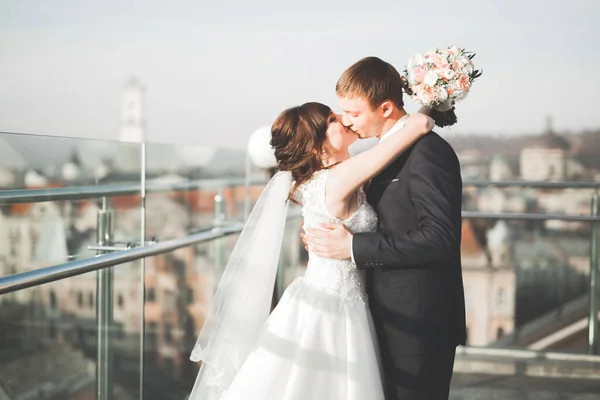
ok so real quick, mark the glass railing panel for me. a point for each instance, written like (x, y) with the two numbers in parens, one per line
(527, 280)
(180, 287)
(527, 283)
(211, 186)
(58, 230)
(71, 331)
(48, 338)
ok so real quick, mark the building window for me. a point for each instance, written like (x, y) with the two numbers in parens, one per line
(91, 300)
(52, 330)
(80, 299)
(168, 333)
(14, 238)
(152, 336)
(120, 332)
(500, 297)
(120, 300)
(152, 328)
(169, 364)
(499, 333)
(53, 301)
(151, 295)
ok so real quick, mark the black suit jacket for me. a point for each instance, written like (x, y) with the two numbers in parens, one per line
(413, 260)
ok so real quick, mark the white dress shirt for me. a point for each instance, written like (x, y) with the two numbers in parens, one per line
(395, 128)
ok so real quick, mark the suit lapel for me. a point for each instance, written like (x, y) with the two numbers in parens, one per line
(380, 182)
(372, 190)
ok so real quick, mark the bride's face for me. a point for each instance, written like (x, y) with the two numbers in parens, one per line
(339, 137)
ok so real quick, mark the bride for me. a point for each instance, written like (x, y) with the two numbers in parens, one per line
(319, 342)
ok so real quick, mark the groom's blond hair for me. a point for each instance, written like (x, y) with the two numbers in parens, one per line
(374, 80)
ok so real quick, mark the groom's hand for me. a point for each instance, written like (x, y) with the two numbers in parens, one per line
(332, 241)
(303, 236)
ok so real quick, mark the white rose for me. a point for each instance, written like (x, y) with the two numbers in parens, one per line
(412, 79)
(423, 99)
(442, 95)
(412, 63)
(454, 50)
(431, 78)
(447, 74)
(417, 60)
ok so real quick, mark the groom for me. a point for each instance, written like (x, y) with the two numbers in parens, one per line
(413, 264)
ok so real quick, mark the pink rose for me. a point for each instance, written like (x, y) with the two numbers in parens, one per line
(464, 84)
(420, 74)
(440, 62)
(427, 96)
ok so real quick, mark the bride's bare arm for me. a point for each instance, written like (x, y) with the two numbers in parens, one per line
(348, 176)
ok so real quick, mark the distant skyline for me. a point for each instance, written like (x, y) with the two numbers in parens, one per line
(216, 72)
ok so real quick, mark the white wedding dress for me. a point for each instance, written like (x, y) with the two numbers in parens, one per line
(319, 343)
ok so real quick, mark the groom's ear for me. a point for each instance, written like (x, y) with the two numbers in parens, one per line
(386, 108)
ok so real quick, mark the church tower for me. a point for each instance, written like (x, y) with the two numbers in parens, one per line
(132, 112)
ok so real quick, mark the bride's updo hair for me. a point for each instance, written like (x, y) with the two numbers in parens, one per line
(297, 136)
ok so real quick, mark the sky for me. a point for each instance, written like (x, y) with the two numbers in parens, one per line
(216, 72)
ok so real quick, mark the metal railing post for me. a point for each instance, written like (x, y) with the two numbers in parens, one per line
(593, 288)
(104, 307)
(247, 173)
(142, 267)
(219, 221)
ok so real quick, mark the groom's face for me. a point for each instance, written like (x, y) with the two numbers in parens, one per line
(358, 116)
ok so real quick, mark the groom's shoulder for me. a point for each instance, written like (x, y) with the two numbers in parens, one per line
(434, 142)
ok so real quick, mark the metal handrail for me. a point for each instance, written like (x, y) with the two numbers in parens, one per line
(16, 196)
(86, 192)
(533, 184)
(40, 276)
(23, 280)
(530, 216)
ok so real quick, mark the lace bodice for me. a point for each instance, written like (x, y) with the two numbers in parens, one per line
(336, 277)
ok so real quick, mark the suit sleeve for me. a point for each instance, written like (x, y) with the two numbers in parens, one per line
(435, 187)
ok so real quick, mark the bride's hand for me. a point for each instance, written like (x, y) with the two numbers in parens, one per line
(420, 123)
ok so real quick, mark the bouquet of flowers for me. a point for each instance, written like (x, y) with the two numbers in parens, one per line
(440, 78)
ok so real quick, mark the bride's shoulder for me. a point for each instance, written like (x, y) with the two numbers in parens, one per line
(311, 187)
(318, 178)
